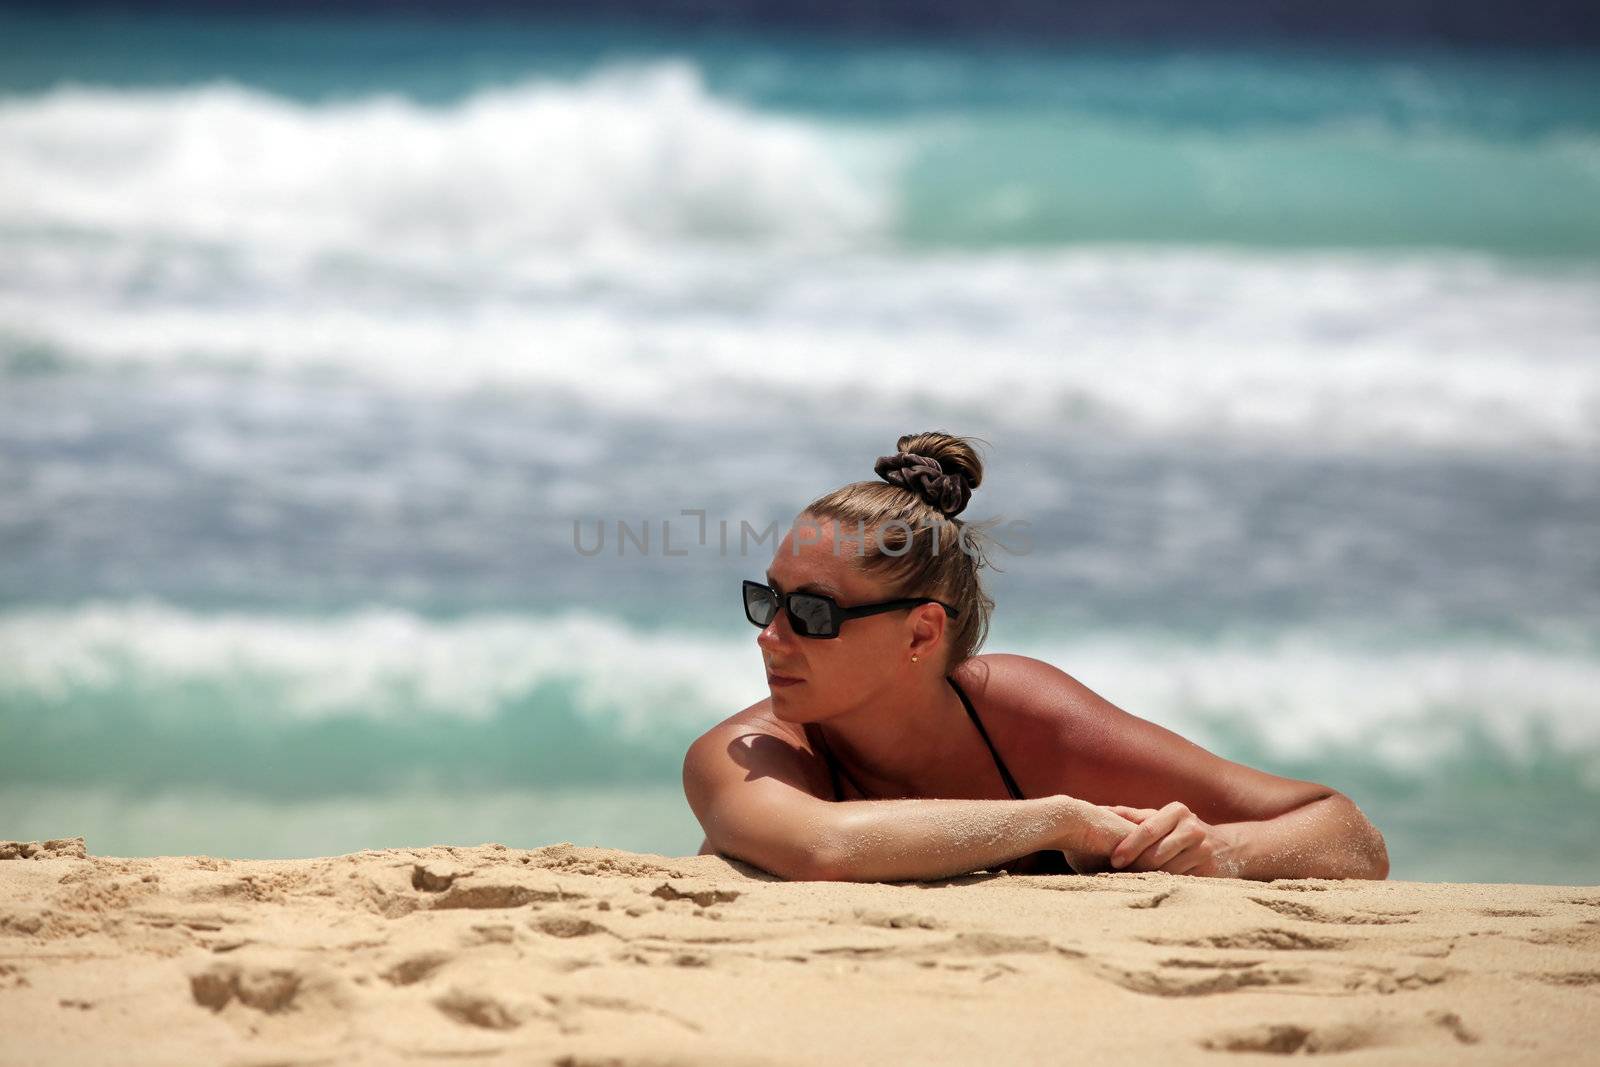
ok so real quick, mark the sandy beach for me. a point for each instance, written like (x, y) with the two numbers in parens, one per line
(572, 955)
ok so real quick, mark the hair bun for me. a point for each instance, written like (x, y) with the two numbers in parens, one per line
(924, 476)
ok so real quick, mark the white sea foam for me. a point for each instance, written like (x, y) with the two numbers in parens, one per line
(1305, 695)
(1334, 350)
(379, 662)
(645, 247)
(1301, 693)
(630, 154)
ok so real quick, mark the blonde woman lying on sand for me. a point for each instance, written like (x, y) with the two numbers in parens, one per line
(869, 628)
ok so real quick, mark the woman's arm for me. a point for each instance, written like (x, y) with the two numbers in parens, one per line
(749, 791)
(1327, 838)
(1257, 825)
(921, 839)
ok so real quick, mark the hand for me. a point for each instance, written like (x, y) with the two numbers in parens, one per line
(1176, 840)
(1091, 832)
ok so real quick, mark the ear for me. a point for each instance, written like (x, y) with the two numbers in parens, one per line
(927, 631)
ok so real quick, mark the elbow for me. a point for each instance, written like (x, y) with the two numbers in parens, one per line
(834, 856)
(1378, 856)
(1371, 852)
(818, 874)
(1376, 853)
(1373, 865)
(791, 865)
(805, 869)
(822, 864)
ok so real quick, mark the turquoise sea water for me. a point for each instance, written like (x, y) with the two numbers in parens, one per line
(317, 338)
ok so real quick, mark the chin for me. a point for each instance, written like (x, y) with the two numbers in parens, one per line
(786, 709)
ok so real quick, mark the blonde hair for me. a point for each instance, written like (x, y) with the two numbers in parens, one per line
(911, 539)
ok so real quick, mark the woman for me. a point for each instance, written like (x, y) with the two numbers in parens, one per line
(871, 615)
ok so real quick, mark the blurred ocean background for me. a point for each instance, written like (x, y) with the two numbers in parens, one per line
(319, 335)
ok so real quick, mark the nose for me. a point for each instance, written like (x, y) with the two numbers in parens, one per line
(776, 633)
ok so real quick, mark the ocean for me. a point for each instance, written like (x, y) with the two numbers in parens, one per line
(328, 345)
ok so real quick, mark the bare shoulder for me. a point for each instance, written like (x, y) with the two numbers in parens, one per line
(1027, 691)
(1018, 698)
(1055, 703)
(1037, 715)
(1069, 739)
(754, 736)
(757, 796)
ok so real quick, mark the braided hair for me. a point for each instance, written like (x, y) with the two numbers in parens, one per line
(925, 476)
(914, 544)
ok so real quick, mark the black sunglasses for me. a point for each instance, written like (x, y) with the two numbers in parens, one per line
(815, 615)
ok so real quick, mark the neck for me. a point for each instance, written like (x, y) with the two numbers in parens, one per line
(899, 748)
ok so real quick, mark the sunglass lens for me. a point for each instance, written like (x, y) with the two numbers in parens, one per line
(759, 604)
(816, 619)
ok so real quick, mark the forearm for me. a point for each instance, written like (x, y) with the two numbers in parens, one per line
(914, 840)
(1327, 838)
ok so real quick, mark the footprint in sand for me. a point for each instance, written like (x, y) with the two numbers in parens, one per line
(436, 877)
(1188, 984)
(1583, 936)
(1299, 887)
(1511, 913)
(1286, 1039)
(1271, 937)
(979, 943)
(703, 897)
(1294, 909)
(272, 986)
(600, 1002)
(1390, 980)
(565, 924)
(889, 920)
(482, 1010)
(414, 969)
(1577, 979)
(498, 895)
(266, 989)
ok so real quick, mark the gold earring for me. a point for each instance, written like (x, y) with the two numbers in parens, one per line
(913, 659)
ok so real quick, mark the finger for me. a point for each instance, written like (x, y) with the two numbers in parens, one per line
(1133, 814)
(1185, 862)
(1148, 832)
(1182, 839)
(1205, 857)
(1131, 847)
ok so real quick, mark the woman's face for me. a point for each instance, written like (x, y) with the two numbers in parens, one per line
(868, 656)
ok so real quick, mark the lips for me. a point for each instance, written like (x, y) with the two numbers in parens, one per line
(780, 679)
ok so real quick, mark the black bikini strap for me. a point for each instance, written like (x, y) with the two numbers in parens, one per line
(972, 713)
(833, 768)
